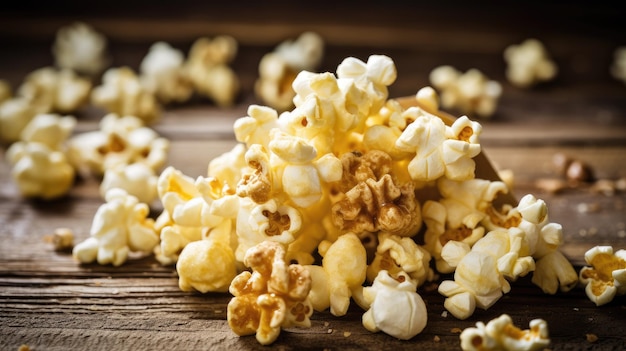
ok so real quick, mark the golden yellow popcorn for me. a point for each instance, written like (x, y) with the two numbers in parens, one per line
(120, 141)
(501, 335)
(49, 129)
(122, 93)
(5, 91)
(52, 90)
(40, 171)
(15, 114)
(207, 68)
(528, 63)
(120, 226)
(273, 296)
(395, 307)
(162, 73)
(278, 69)
(256, 127)
(470, 92)
(605, 277)
(81, 48)
(137, 179)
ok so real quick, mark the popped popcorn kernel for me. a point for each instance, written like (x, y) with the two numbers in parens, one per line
(501, 334)
(470, 92)
(162, 73)
(15, 114)
(618, 66)
(605, 277)
(52, 90)
(529, 63)
(81, 48)
(5, 91)
(273, 296)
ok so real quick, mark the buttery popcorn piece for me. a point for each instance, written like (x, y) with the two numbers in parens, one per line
(49, 129)
(501, 335)
(137, 179)
(162, 73)
(278, 69)
(15, 114)
(122, 93)
(5, 91)
(470, 92)
(207, 67)
(81, 48)
(52, 90)
(605, 277)
(528, 63)
(618, 67)
(395, 307)
(120, 226)
(273, 296)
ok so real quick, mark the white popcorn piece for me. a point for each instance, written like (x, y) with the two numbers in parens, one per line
(120, 226)
(501, 335)
(162, 73)
(395, 307)
(207, 67)
(256, 127)
(52, 90)
(122, 93)
(15, 114)
(137, 179)
(618, 66)
(529, 63)
(120, 141)
(345, 263)
(49, 129)
(470, 92)
(605, 277)
(278, 69)
(39, 171)
(81, 48)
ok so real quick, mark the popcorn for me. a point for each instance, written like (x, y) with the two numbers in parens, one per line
(255, 128)
(51, 90)
(81, 48)
(528, 63)
(15, 114)
(137, 179)
(120, 141)
(207, 67)
(272, 297)
(278, 69)
(120, 226)
(501, 334)
(395, 307)
(40, 171)
(162, 73)
(470, 92)
(605, 277)
(62, 239)
(618, 66)
(396, 254)
(5, 91)
(49, 129)
(122, 93)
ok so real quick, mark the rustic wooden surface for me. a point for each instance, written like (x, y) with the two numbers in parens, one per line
(50, 302)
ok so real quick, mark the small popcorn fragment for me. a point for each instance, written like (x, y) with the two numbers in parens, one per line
(618, 66)
(279, 68)
(81, 48)
(207, 68)
(162, 73)
(395, 306)
(273, 296)
(50, 90)
(529, 63)
(605, 277)
(470, 92)
(121, 225)
(122, 93)
(500, 334)
(62, 239)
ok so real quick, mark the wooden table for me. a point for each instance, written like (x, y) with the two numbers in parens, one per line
(50, 302)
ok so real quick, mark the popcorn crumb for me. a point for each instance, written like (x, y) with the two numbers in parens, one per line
(24, 347)
(456, 330)
(444, 314)
(436, 338)
(591, 337)
(329, 331)
(63, 239)
(347, 334)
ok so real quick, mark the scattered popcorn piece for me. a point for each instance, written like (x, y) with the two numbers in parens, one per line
(40, 171)
(618, 67)
(52, 90)
(15, 114)
(62, 239)
(81, 48)
(501, 335)
(278, 69)
(120, 141)
(605, 277)
(122, 93)
(470, 92)
(207, 67)
(273, 296)
(120, 226)
(138, 179)
(49, 129)
(395, 306)
(529, 63)
(162, 73)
